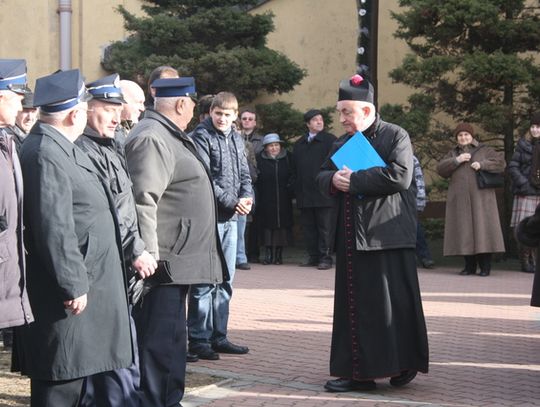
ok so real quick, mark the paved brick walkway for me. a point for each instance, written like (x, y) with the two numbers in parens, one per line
(484, 343)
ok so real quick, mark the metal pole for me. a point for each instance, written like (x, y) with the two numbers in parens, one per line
(368, 25)
(65, 11)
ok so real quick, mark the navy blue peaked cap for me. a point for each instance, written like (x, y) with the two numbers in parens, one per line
(28, 100)
(107, 89)
(60, 91)
(13, 75)
(174, 87)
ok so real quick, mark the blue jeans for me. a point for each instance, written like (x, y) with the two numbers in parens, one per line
(208, 307)
(241, 244)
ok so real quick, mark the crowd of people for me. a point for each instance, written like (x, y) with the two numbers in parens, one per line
(120, 233)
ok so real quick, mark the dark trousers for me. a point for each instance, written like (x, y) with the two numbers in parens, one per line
(64, 393)
(252, 239)
(161, 335)
(422, 248)
(483, 260)
(319, 226)
(118, 387)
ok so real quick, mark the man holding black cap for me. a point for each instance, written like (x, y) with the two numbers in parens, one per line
(26, 118)
(379, 329)
(14, 305)
(177, 219)
(75, 281)
(317, 211)
(98, 141)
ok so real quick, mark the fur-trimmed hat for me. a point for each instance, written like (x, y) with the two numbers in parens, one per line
(464, 127)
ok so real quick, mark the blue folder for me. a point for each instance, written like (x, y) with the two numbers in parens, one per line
(357, 154)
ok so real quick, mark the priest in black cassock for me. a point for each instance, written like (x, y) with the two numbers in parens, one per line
(379, 329)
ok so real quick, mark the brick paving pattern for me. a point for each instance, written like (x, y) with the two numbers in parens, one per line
(484, 343)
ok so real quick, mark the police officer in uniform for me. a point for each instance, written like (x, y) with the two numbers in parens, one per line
(75, 281)
(98, 141)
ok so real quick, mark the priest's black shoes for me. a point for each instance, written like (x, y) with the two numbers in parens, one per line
(343, 385)
(405, 377)
(228, 347)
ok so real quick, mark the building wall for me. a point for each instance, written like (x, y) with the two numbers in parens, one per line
(321, 36)
(33, 33)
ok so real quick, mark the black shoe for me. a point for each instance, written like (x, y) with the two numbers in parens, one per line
(428, 263)
(243, 266)
(205, 352)
(484, 273)
(192, 357)
(466, 272)
(278, 255)
(228, 347)
(404, 378)
(323, 265)
(529, 268)
(309, 263)
(253, 259)
(343, 385)
(268, 256)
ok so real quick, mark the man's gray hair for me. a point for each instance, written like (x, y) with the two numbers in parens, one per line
(55, 117)
(166, 103)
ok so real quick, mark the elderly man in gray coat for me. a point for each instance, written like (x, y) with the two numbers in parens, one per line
(75, 281)
(177, 220)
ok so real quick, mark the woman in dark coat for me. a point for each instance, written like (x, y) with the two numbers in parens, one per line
(528, 234)
(472, 226)
(524, 169)
(274, 205)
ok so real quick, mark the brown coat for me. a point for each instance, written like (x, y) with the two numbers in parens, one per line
(472, 224)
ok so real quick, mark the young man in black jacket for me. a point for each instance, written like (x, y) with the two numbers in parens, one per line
(222, 149)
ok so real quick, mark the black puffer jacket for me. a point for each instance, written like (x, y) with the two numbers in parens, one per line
(520, 169)
(109, 159)
(383, 198)
(225, 156)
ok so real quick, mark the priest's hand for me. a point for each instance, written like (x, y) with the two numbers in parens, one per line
(342, 179)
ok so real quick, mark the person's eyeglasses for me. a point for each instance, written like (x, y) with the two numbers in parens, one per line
(249, 119)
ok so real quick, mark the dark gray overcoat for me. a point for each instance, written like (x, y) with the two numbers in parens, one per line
(73, 249)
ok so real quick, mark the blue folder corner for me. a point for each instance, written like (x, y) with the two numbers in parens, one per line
(357, 154)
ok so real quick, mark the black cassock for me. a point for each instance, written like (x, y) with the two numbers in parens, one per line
(379, 328)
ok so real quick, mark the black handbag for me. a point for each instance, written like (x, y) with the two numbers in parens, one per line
(138, 287)
(487, 179)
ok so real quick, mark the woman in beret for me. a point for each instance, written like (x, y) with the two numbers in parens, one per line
(524, 170)
(472, 225)
(274, 204)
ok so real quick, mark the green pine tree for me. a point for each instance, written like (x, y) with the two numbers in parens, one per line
(216, 41)
(471, 60)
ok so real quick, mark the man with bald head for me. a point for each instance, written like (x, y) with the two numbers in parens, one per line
(134, 104)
